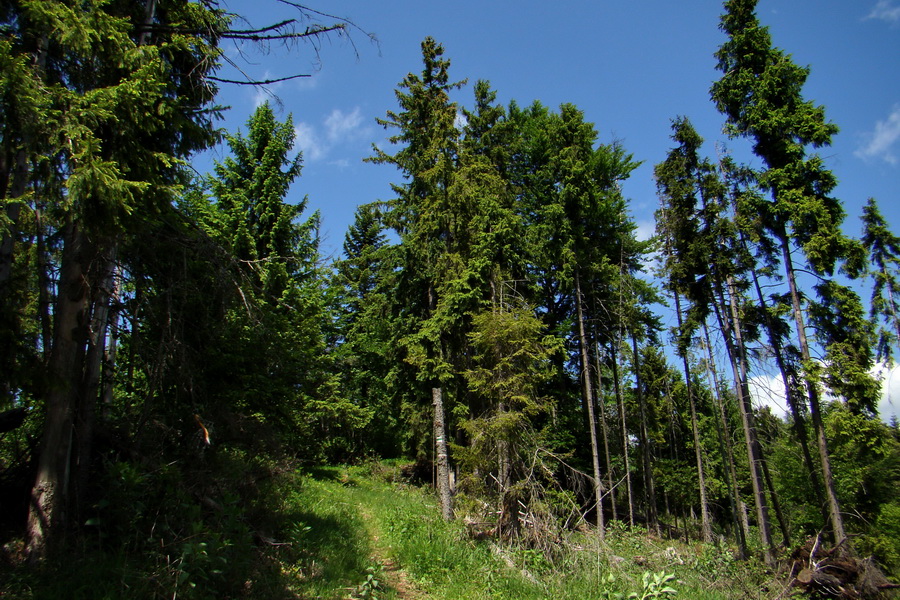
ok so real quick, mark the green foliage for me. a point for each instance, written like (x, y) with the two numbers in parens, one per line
(364, 332)
(270, 364)
(371, 588)
(840, 323)
(866, 458)
(883, 248)
(883, 540)
(654, 585)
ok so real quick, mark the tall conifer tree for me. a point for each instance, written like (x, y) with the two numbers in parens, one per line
(760, 93)
(423, 216)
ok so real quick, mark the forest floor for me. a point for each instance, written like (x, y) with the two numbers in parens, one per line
(411, 553)
(363, 533)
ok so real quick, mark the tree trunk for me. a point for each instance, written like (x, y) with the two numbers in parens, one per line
(706, 526)
(47, 516)
(798, 422)
(892, 306)
(725, 443)
(16, 190)
(739, 367)
(43, 276)
(110, 357)
(85, 413)
(620, 403)
(443, 463)
(776, 506)
(589, 401)
(8, 314)
(604, 430)
(834, 508)
(649, 489)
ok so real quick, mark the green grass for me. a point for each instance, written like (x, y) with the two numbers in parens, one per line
(444, 563)
(326, 532)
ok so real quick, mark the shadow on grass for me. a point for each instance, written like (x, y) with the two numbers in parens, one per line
(320, 473)
(293, 539)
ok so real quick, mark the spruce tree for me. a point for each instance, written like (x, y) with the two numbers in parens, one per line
(883, 248)
(363, 349)
(423, 217)
(760, 93)
(283, 317)
(124, 108)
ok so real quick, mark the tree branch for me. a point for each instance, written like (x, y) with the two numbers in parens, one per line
(255, 82)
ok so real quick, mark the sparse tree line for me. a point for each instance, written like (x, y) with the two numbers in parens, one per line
(498, 318)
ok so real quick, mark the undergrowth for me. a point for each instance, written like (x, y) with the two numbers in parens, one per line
(243, 526)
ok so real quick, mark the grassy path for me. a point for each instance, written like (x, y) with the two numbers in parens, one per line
(406, 546)
(361, 528)
(398, 583)
(340, 533)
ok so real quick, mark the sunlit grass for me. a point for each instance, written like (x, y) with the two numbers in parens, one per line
(321, 532)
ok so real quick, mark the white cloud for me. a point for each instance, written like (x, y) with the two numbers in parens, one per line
(342, 126)
(768, 390)
(264, 93)
(308, 141)
(260, 96)
(885, 10)
(880, 143)
(645, 230)
(460, 121)
(337, 129)
(274, 92)
(890, 392)
(305, 83)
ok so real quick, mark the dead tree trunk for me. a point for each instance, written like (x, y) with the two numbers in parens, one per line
(604, 429)
(706, 526)
(443, 463)
(725, 443)
(649, 488)
(589, 401)
(620, 403)
(834, 507)
(735, 346)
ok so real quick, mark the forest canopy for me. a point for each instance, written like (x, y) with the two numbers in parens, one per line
(497, 322)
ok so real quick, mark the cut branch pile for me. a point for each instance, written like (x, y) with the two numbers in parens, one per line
(836, 574)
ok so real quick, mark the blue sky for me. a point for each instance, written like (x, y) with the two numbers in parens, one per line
(630, 66)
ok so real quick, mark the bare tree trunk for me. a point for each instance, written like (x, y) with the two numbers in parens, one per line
(723, 433)
(620, 402)
(604, 429)
(85, 413)
(109, 359)
(834, 507)
(443, 463)
(649, 488)
(589, 401)
(798, 422)
(776, 505)
(706, 525)
(43, 276)
(739, 367)
(47, 516)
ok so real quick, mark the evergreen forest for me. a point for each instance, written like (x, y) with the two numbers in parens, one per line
(185, 374)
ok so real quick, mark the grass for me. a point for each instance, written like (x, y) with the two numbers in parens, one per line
(353, 532)
(443, 562)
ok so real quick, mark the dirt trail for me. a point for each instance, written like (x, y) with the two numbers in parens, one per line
(394, 576)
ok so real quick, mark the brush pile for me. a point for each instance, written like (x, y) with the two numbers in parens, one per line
(835, 574)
